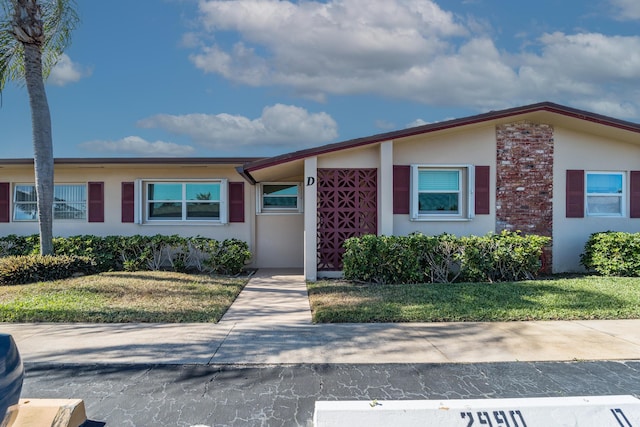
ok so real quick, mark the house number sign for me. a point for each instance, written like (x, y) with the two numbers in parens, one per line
(583, 411)
(514, 418)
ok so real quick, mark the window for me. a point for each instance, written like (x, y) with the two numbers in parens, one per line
(441, 192)
(69, 202)
(605, 191)
(185, 201)
(279, 197)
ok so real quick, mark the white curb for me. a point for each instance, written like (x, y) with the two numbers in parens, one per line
(584, 411)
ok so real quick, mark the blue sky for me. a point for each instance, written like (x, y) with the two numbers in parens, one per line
(262, 77)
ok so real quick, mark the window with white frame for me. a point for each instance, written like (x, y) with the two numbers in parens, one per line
(69, 202)
(185, 201)
(279, 197)
(441, 192)
(605, 193)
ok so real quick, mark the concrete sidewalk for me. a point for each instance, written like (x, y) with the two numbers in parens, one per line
(275, 297)
(270, 323)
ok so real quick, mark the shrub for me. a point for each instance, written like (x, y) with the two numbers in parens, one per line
(34, 268)
(104, 250)
(612, 253)
(384, 259)
(184, 253)
(401, 259)
(416, 258)
(229, 257)
(135, 253)
(357, 258)
(13, 245)
(439, 256)
(505, 257)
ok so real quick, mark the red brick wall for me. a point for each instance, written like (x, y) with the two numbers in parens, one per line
(524, 180)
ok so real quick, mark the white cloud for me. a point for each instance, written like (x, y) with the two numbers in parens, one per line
(626, 10)
(416, 122)
(610, 107)
(336, 45)
(413, 50)
(588, 58)
(586, 68)
(139, 147)
(66, 71)
(241, 65)
(280, 125)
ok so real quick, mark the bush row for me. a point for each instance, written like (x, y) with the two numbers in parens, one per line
(15, 270)
(612, 253)
(508, 256)
(141, 252)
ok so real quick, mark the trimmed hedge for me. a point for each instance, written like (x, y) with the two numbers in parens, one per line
(132, 253)
(612, 253)
(382, 259)
(104, 250)
(18, 269)
(504, 257)
(13, 245)
(508, 256)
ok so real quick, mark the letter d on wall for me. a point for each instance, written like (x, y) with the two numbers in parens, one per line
(310, 181)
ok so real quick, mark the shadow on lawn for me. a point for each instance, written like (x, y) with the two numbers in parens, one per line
(163, 276)
(531, 300)
(209, 314)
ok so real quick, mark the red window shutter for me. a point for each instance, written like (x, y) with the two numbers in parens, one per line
(5, 201)
(128, 201)
(575, 194)
(96, 202)
(482, 190)
(236, 202)
(401, 189)
(634, 190)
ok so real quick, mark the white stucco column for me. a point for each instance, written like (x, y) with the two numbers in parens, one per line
(311, 218)
(385, 189)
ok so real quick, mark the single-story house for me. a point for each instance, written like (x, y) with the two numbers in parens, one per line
(542, 168)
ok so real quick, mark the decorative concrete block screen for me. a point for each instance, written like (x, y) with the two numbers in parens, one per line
(347, 207)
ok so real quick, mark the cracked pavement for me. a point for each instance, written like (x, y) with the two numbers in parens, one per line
(284, 395)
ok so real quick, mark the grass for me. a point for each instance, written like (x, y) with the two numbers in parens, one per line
(588, 297)
(121, 297)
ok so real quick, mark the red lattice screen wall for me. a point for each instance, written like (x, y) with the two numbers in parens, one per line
(347, 207)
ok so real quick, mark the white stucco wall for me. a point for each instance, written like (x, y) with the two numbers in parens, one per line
(476, 147)
(575, 150)
(311, 218)
(280, 240)
(365, 157)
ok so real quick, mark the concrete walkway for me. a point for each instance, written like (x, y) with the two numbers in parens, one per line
(270, 323)
(275, 297)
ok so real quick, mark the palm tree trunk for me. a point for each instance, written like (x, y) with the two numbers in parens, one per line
(42, 144)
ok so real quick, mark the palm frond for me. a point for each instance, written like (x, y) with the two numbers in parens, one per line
(11, 63)
(59, 20)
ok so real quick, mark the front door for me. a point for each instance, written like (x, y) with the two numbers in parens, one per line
(347, 207)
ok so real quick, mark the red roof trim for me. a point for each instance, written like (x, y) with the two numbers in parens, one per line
(433, 127)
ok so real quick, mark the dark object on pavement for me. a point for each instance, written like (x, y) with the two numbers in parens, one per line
(11, 373)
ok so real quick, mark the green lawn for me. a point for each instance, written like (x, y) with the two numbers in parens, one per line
(588, 297)
(121, 297)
